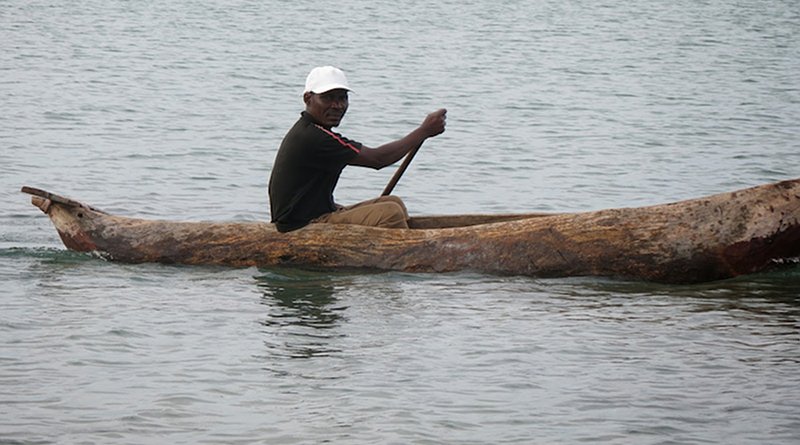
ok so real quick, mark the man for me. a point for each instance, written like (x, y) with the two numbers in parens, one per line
(312, 156)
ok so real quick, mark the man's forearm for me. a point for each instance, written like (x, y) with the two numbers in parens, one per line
(390, 152)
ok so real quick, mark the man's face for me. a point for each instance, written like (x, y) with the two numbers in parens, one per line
(327, 108)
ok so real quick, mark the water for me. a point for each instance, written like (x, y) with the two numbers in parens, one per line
(175, 111)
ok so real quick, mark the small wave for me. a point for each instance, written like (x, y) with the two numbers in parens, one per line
(47, 253)
(793, 260)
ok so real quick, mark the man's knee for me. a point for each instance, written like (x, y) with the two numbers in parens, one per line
(393, 216)
(386, 214)
(395, 200)
(383, 213)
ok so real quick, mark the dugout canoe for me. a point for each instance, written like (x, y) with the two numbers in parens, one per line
(710, 238)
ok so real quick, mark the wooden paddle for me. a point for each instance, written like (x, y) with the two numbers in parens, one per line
(400, 171)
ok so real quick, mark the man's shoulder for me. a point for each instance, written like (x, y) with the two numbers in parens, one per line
(306, 134)
(302, 130)
(305, 126)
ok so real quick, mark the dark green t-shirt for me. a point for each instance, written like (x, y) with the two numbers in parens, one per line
(306, 170)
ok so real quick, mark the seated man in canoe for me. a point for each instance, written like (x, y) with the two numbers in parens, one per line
(312, 156)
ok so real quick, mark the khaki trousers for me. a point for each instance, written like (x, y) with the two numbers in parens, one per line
(386, 211)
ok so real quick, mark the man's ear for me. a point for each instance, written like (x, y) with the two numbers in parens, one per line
(307, 96)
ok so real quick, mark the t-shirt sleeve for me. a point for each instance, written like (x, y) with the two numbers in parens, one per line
(334, 150)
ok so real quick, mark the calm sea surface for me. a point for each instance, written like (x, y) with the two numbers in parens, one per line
(175, 110)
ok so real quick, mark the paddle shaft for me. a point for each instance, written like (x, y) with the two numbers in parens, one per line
(400, 171)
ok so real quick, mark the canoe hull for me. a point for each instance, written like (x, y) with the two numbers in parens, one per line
(705, 239)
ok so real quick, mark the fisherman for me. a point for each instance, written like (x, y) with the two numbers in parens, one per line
(312, 156)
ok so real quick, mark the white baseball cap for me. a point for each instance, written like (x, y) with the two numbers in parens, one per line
(325, 78)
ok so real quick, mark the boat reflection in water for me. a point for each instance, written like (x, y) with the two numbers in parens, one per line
(302, 313)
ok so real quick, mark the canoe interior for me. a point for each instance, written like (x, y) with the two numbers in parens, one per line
(449, 221)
